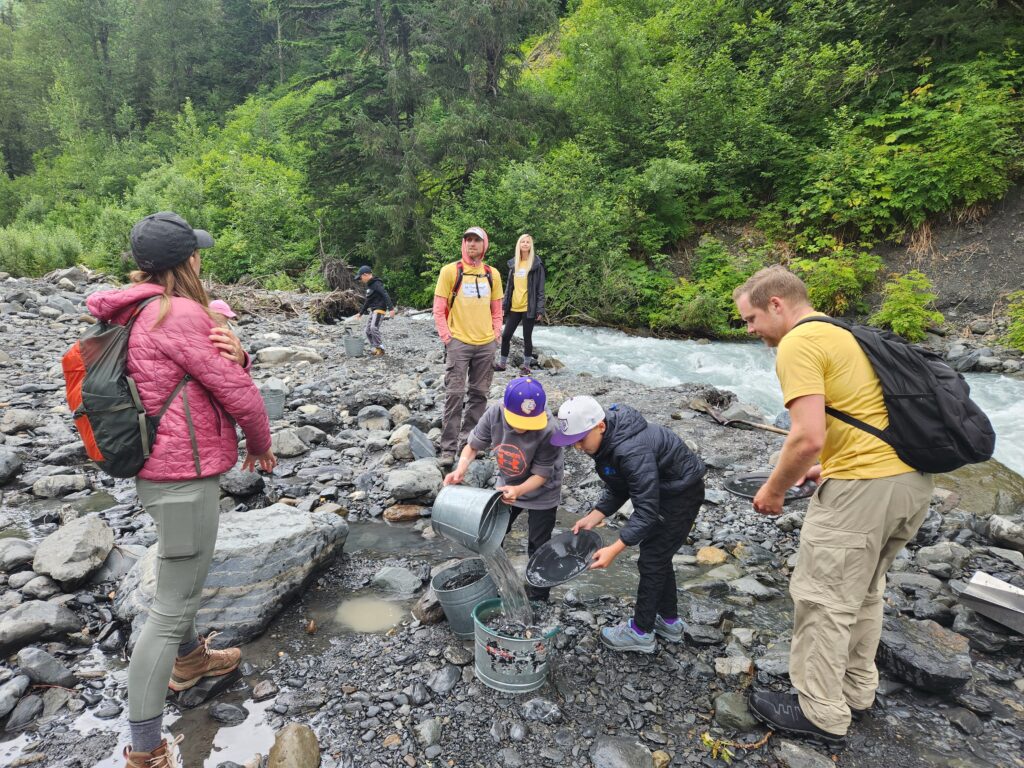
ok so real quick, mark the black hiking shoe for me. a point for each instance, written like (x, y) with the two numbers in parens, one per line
(782, 712)
(859, 714)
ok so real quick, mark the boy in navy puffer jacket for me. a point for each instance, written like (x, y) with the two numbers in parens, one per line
(651, 466)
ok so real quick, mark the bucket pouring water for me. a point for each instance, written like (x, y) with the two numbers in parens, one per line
(353, 345)
(508, 664)
(458, 603)
(476, 518)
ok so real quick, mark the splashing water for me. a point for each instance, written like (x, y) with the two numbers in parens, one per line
(510, 586)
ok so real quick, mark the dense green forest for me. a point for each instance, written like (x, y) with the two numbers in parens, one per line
(618, 132)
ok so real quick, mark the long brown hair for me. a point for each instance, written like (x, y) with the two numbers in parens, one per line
(180, 280)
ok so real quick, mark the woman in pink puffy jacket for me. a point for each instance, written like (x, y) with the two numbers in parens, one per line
(180, 358)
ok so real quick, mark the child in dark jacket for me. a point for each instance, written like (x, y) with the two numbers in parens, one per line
(651, 466)
(377, 302)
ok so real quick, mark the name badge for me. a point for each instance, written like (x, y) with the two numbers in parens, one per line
(520, 273)
(476, 289)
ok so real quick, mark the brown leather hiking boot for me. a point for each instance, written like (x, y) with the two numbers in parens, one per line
(203, 662)
(164, 756)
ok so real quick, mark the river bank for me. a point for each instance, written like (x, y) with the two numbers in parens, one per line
(355, 441)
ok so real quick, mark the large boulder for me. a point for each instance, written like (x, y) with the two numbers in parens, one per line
(263, 558)
(985, 489)
(20, 420)
(43, 669)
(408, 443)
(14, 553)
(241, 483)
(925, 654)
(419, 480)
(272, 356)
(72, 552)
(287, 443)
(373, 418)
(55, 486)
(1006, 532)
(34, 620)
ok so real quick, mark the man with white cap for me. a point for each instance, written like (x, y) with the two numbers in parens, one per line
(651, 466)
(467, 314)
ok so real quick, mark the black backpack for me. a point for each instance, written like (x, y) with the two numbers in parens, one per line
(934, 426)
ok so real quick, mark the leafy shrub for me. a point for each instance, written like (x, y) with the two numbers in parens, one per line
(905, 306)
(836, 283)
(31, 250)
(1015, 333)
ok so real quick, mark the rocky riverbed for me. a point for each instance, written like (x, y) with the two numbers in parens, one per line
(341, 529)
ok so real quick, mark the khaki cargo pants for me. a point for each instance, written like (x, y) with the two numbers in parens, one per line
(468, 371)
(852, 533)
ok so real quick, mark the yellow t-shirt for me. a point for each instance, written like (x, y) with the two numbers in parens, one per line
(470, 317)
(821, 359)
(520, 302)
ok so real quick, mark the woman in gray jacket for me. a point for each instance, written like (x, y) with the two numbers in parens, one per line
(523, 301)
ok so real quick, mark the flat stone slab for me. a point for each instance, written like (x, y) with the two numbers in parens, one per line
(925, 654)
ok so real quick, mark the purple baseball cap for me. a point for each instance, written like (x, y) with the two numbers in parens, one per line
(525, 402)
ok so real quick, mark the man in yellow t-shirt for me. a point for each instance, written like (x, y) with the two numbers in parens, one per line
(867, 506)
(467, 314)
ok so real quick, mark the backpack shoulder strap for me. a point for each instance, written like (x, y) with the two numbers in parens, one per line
(456, 285)
(835, 413)
(137, 311)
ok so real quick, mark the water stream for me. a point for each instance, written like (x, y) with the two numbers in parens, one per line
(748, 369)
(510, 586)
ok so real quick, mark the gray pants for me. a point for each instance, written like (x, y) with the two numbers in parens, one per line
(373, 321)
(465, 362)
(186, 514)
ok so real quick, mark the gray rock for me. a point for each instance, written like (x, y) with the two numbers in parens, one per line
(9, 599)
(14, 553)
(295, 746)
(428, 733)
(373, 417)
(263, 690)
(510, 758)
(42, 668)
(40, 588)
(55, 486)
(27, 710)
(1006, 532)
(287, 444)
(420, 479)
(793, 755)
(731, 712)
(775, 660)
(444, 679)
(17, 420)
(542, 710)
(242, 484)
(274, 356)
(10, 464)
(943, 552)
(420, 444)
(479, 473)
(619, 752)
(34, 620)
(744, 412)
(748, 585)
(72, 552)
(228, 714)
(11, 691)
(120, 560)
(428, 608)
(965, 720)
(263, 558)
(925, 654)
(914, 582)
(396, 579)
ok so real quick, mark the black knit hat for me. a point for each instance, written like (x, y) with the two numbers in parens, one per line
(164, 240)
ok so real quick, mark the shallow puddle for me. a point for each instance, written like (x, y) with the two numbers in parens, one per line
(369, 614)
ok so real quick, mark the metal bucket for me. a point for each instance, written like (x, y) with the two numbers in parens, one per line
(476, 518)
(458, 603)
(354, 345)
(274, 392)
(509, 664)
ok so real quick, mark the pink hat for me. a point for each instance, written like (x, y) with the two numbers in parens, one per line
(221, 307)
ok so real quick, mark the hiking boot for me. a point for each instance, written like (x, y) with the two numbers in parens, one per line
(859, 714)
(668, 629)
(625, 637)
(525, 370)
(203, 662)
(499, 366)
(377, 351)
(782, 712)
(164, 756)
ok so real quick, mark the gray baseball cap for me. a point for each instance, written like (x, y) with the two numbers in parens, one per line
(164, 240)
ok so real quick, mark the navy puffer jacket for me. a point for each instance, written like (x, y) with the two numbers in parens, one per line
(643, 462)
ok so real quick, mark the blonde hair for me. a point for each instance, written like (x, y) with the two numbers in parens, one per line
(519, 244)
(180, 280)
(775, 280)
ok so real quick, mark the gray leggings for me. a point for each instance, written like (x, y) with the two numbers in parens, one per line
(186, 514)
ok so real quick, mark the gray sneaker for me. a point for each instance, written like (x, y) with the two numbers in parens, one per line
(671, 632)
(622, 637)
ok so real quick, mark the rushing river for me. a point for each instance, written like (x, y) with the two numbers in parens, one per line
(748, 369)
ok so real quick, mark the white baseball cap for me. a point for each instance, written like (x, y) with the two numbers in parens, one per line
(577, 416)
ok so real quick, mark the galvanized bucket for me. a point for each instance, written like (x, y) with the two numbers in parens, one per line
(509, 664)
(458, 603)
(274, 392)
(354, 345)
(476, 518)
